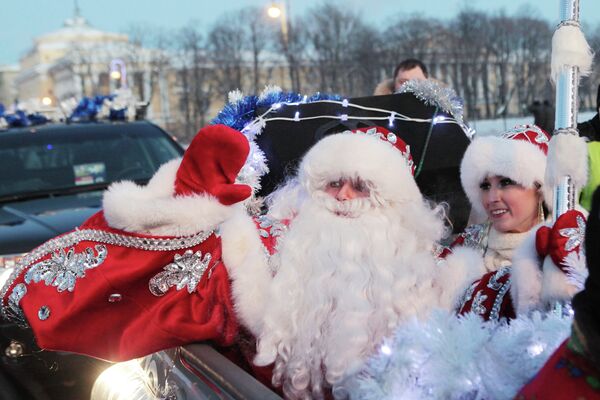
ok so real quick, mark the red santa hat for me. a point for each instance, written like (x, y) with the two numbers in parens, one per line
(374, 154)
(519, 154)
(185, 195)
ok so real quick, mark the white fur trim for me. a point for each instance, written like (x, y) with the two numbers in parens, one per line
(567, 155)
(367, 157)
(555, 285)
(152, 208)
(569, 48)
(247, 266)
(518, 160)
(460, 269)
(526, 276)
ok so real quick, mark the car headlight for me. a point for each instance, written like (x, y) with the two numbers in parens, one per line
(10, 260)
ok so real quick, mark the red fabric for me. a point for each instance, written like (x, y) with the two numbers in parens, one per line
(212, 162)
(550, 241)
(84, 321)
(492, 288)
(532, 134)
(567, 375)
(391, 137)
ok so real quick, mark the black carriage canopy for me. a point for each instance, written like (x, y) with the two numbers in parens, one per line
(439, 145)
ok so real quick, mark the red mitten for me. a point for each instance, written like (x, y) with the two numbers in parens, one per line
(565, 236)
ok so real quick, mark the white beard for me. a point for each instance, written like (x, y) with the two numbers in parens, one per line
(342, 285)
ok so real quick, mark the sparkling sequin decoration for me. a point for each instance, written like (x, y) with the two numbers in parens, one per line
(520, 130)
(575, 235)
(44, 313)
(14, 312)
(63, 268)
(493, 283)
(468, 294)
(495, 311)
(475, 236)
(477, 306)
(115, 298)
(185, 271)
(275, 227)
(93, 235)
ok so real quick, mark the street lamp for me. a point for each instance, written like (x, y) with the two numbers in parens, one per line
(274, 11)
(278, 10)
(118, 72)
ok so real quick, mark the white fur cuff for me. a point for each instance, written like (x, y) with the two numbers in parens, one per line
(567, 155)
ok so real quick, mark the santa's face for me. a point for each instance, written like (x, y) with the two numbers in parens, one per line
(347, 189)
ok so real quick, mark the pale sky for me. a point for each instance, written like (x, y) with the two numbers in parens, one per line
(23, 20)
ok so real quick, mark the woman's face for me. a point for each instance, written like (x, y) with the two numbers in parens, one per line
(510, 207)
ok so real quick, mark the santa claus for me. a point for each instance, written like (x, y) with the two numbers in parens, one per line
(355, 260)
(350, 254)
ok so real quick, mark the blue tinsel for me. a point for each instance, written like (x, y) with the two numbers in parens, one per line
(20, 119)
(237, 115)
(88, 108)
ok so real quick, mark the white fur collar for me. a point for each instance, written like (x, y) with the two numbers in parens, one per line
(152, 209)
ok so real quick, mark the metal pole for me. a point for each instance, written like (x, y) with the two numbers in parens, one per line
(565, 121)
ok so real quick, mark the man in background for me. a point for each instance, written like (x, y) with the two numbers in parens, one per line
(411, 68)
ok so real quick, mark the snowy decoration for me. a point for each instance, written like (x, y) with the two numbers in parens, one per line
(269, 90)
(235, 96)
(450, 357)
(575, 268)
(434, 94)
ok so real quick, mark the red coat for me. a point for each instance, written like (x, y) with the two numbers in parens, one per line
(489, 296)
(109, 310)
(567, 375)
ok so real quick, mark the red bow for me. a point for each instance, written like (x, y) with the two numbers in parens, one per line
(565, 236)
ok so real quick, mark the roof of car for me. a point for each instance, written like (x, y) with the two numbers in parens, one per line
(78, 127)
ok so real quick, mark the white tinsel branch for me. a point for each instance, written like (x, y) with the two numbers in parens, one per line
(447, 357)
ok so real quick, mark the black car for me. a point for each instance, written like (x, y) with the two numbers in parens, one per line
(51, 180)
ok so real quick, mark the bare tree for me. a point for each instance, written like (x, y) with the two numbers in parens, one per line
(195, 76)
(226, 47)
(338, 39)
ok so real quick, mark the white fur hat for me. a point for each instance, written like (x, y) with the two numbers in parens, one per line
(373, 154)
(519, 154)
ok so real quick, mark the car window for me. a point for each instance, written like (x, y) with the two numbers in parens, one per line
(33, 162)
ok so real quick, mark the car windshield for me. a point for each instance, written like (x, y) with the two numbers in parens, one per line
(75, 158)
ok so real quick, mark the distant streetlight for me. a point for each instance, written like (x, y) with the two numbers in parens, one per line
(116, 75)
(279, 10)
(118, 72)
(47, 101)
(274, 11)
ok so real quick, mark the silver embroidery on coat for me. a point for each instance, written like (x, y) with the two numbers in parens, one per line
(477, 307)
(468, 294)
(495, 311)
(476, 236)
(99, 236)
(63, 269)
(493, 283)
(277, 227)
(14, 312)
(185, 271)
(575, 235)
